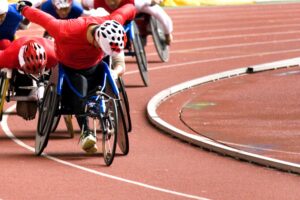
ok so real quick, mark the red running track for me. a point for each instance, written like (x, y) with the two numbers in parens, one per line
(207, 40)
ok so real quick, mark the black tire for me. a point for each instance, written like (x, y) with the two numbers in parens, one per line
(159, 39)
(47, 112)
(140, 55)
(3, 89)
(123, 141)
(125, 103)
(109, 125)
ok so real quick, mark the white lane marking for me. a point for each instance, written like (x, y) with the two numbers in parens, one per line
(228, 46)
(233, 36)
(235, 15)
(214, 60)
(234, 23)
(9, 134)
(238, 36)
(235, 29)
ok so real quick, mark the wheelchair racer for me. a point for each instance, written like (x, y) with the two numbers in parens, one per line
(10, 21)
(29, 55)
(81, 44)
(150, 7)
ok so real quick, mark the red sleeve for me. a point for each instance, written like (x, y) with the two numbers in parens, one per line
(4, 43)
(47, 21)
(122, 14)
(9, 56)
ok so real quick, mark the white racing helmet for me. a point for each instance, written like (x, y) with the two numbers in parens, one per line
(59, 4)
(3, 6)
(111, 37)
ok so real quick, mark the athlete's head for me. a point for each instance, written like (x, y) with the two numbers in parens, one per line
(3, 10)
(32, 57)
(113, 4)
(62, 7)
(111, 37)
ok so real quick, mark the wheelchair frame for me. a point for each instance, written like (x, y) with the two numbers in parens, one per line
(107, 109)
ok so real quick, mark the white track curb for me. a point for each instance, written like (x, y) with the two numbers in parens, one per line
(212, 144)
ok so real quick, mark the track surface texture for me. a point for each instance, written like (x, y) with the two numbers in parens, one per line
(207, 40)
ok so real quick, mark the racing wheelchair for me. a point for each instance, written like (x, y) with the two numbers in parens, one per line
(149, 25)
(105, 106)
(12, 89)
(17, 86)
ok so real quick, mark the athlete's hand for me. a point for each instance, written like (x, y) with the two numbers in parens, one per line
(22, 4)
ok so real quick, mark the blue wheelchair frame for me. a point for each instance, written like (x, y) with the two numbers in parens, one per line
(128, 29)
(107, 75)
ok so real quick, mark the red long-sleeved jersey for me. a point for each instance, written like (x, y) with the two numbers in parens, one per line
(71, 44)
(9, 56)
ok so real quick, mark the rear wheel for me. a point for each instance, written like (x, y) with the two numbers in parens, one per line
(125, 103)
(109, 124)
(140, 55)
(123, 141)
(159, 38)
(47, 112)
(121, 103)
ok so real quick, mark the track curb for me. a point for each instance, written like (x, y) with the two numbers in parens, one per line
(213, 145)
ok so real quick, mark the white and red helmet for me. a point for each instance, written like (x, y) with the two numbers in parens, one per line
(59, 4)
(32, 58)
(3, 6)
(111, 37)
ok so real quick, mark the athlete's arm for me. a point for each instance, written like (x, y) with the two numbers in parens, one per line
(43, 19)
(9, 58)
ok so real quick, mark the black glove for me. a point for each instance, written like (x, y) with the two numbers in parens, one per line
(22, 4)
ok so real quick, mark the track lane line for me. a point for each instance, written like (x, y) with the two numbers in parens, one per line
(10, 135)
(214, 60)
